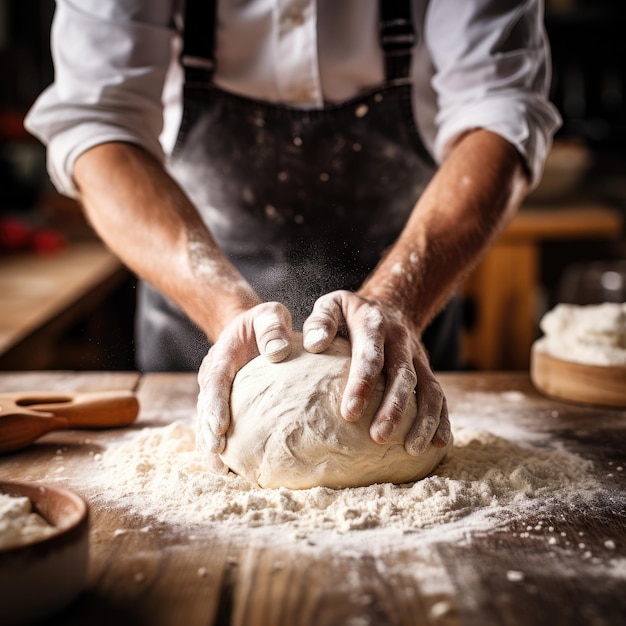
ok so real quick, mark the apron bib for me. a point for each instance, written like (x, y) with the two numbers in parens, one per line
(302, 202)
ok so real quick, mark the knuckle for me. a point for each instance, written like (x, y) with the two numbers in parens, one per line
(325, 304)
(318, 321)
(414, 446)
(430, 387)
(366, 374)
(217, 363)
(362, 386)
(395, 411)
(270, 308)
(327, 308)
(372, 318)
(267, 327)
(371, 358)
(270, 317)
(406, 375)
(421, 434)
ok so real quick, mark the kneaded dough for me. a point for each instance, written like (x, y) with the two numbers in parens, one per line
(287, 430)
(593, 334)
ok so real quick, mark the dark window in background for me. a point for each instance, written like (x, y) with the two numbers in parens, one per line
(25, 62)
(25, 70)
(588, 40)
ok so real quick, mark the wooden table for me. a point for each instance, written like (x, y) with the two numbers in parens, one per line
(44, 296)
(244, 584)
(504, 288)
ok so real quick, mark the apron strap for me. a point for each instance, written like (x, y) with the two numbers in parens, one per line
(396, 36)
(198, 54)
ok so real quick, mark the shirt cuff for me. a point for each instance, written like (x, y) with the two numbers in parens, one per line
(65, 148)
(528, 126)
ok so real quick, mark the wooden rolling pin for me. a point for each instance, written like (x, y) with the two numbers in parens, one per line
(26, 416)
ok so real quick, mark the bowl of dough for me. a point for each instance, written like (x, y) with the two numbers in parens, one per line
(44, 550)
(582, 354)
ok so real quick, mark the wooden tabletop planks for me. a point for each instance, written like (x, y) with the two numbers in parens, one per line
(146, 572)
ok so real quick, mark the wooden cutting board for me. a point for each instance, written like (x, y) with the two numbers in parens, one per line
(577, 382)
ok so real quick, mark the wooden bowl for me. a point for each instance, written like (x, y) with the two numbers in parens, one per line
(585, 384)
(40, 578)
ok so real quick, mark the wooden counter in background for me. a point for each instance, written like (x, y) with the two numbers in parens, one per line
(44, 296)
(504, 288)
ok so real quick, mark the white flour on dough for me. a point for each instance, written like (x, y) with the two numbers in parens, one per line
(593, 334)
(287, 430)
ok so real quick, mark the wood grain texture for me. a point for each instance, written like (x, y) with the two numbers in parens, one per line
(24, 417)
(145, 572)
(503, 289)
(589, 220)
(272, 587)
(36, 289)
(67, 381)
(503, 329)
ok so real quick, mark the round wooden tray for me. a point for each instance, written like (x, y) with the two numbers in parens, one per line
(577, 382)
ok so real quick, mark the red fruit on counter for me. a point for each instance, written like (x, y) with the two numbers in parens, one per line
(48, 241)
(14, 234)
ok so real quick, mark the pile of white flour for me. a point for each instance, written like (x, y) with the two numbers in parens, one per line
(592, 334)
(19, 524)
(484, 480)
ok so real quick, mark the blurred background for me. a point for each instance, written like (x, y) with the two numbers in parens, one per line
(67, 303)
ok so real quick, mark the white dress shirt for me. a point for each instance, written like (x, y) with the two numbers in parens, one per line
(476, 63)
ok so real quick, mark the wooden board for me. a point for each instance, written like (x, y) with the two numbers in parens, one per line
(577, 382)
(64, 310)
(591, 220)
(36, 289)
(159, 574)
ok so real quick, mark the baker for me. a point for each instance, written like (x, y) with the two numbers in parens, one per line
(333, 166)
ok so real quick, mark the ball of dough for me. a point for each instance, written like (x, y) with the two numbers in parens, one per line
(287, 430)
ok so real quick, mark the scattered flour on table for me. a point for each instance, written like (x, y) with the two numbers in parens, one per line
(19, 524)
(157, 472)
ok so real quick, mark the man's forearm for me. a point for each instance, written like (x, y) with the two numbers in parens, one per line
(147, 220)
(467, 204)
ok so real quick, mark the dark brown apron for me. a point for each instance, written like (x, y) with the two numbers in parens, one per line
(303, 202)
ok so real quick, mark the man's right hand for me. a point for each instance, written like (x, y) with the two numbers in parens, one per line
(264, 329)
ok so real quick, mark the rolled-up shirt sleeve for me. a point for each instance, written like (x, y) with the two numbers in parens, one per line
(479, 64)
(492, 70)
(111, 60)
